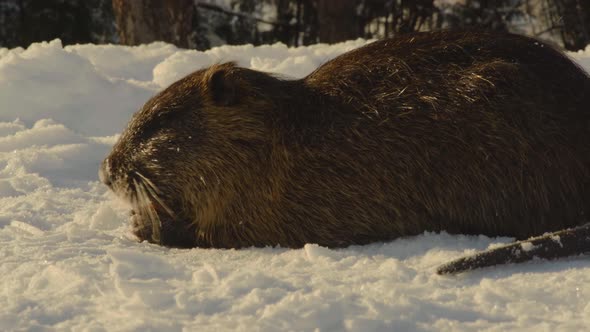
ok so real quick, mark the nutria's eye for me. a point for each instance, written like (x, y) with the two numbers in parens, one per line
(160, 119)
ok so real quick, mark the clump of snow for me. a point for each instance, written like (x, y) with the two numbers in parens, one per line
(557, 239)
(582, 57)
(527, 246)
(68, 261)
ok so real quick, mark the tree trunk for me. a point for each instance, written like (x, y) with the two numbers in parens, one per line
(576, 19)
(145, 21)
(337, 20)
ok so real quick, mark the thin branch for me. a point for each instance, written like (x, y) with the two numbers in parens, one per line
(208, 6)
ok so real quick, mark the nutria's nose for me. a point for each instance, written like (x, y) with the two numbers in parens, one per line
(104, 173)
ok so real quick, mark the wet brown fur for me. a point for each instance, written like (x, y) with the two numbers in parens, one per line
(470, 133)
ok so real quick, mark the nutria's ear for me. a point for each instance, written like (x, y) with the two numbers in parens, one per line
(221, 84)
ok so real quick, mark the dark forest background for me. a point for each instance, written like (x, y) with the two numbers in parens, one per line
(204, 24)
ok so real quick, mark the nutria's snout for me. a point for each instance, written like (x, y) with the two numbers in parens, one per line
(114, 174)
(104, 174)
(150, 212)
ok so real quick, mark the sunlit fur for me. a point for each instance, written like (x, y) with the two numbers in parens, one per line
(471, 133)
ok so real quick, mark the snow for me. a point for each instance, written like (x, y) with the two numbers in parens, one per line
(68, 261)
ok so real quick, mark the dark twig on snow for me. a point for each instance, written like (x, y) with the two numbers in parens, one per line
(560, 244)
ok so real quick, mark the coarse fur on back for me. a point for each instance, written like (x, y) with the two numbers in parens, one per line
(471, 133)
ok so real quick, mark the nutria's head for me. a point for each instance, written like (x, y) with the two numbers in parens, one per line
(182, 156)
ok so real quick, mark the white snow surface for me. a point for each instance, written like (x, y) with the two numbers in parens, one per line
(68, 261)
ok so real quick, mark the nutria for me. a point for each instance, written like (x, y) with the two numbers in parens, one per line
(471, 133)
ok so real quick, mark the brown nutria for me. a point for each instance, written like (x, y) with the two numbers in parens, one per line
(471, 133)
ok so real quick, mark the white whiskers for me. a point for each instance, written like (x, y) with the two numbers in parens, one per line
(153, 192)
(146, 208)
